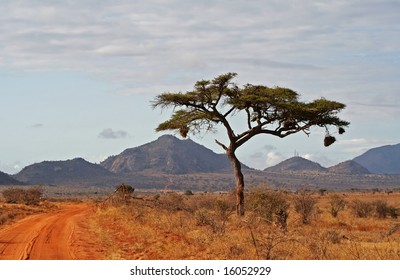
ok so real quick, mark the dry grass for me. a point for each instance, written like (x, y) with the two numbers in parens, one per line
(206, 227)
(10, 213)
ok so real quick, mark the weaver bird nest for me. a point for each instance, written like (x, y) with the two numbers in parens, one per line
(329, 140)
(184, 131)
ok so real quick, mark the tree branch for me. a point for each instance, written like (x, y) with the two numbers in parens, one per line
(229, 111)
(222, 145)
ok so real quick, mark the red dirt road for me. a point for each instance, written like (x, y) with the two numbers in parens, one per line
(50, 236)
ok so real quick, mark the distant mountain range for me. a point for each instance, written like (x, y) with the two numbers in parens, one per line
(381, 160)
(74, 171)
(169, 155)
(299, 164)
(187, 163)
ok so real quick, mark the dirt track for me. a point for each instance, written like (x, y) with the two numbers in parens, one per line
(49, 236)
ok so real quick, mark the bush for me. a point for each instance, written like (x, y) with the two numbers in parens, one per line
(362, 209)
(337, 204)
(188, 192)
(271, 206)
(172, 202)
(383, 210)
(13, 195)
(304, 204)
(29, 196)
(215, 218)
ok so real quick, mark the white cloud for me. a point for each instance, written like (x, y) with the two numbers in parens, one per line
(109, 133)
(322, 159)
(342, 50)
(273, 158)
(10, 167)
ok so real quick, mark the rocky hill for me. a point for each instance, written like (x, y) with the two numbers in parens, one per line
(184, 164)
(72, 171)
(381, 160)
(6, 179)
(348, 167)
(296, 164)
(170, 155)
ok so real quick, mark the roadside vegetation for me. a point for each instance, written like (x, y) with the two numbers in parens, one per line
(19, 202)
(277, 225)
(190, 225)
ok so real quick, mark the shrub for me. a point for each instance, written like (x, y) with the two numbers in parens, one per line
(362, 209)
(172, 202)
(304, 204)
(383, 210)
(13, 195)
(337, 204)
(188, 192)
(29, 196)
(271, 206)
(33, 195)
(216, 216)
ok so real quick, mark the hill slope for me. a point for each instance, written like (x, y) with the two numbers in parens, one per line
(73, 171)
(381, 160)
(6, 179)
(169, 155)
(296, 164)
(348, 167)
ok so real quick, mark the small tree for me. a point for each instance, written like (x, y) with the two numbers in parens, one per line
(275, 111)
(337, 204)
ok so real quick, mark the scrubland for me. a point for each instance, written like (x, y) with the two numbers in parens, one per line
(281, 225)
(17, 203)
(277, 225)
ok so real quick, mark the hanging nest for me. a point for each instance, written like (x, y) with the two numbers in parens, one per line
(329, 140)
(184, 131)
(341, 130)
(289, 124)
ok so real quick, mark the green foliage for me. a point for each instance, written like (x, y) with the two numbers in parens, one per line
(211, 102)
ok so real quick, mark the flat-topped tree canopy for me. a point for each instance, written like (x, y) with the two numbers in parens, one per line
(275, 111)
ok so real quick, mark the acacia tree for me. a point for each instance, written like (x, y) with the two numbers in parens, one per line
(275, 111)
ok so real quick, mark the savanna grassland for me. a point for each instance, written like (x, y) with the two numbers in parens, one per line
(280, 225)
(277, 225)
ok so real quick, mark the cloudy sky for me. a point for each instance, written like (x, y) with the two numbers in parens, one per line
(77, 76)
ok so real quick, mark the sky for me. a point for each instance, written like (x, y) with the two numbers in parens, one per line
(77, 77)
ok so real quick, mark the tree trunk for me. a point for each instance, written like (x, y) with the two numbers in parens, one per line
(239, 182)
